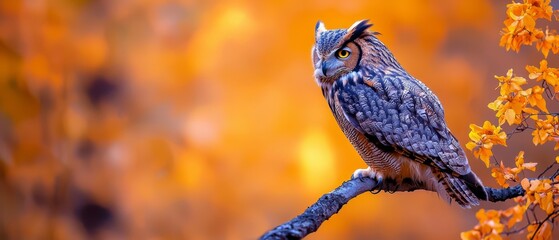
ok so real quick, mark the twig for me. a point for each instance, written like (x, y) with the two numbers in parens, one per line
(517, 230)
(547, 169)
(541, 223)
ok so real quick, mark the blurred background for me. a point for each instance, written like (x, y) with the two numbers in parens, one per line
(178, 119)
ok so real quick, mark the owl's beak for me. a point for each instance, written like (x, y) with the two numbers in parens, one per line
(327, 67)
(320, 69)
(323, 68)
(330, 67)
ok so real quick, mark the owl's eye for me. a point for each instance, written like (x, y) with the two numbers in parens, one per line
(342, 53)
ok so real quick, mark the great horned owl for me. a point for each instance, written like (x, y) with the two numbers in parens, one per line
(393, 120)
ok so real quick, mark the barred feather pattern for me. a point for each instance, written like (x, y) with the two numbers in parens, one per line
(397, 124)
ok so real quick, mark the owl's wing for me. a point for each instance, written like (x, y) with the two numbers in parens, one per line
(399, 113)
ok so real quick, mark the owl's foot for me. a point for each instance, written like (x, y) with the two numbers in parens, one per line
(368, 172)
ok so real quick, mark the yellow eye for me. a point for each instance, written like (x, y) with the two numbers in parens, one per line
(342, 53)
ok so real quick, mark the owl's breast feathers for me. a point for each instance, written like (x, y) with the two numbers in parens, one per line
(399, 114)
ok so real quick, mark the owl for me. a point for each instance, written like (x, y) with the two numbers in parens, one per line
(393, 120)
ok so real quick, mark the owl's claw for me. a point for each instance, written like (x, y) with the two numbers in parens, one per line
(368, 172)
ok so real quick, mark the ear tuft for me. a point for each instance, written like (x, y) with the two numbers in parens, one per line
(356, 30)
(319, 28)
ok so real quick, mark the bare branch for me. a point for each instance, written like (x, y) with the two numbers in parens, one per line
(330, 203)
(502, 194)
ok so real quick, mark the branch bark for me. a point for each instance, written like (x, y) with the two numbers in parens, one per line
(330, 203)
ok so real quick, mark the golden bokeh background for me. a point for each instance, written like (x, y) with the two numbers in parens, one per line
(178, 119)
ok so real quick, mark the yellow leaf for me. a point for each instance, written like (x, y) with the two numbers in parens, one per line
(534, 75)
(470, 235)
(525, 183)
(499, 176)
(485, 159)
(529, 22)
(470, 145)
(530, 166)
(547, 203)
(510, 116)
(534, 185)
(543, 135)
(488, 145)
(474, 136)
(535, 139)
(519, 160)
(517, 213)
(512, 26)
(544, 232)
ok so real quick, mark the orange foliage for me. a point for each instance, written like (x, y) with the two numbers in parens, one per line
(503, 174)
(483, 138)
(515, 106)
(520, 26)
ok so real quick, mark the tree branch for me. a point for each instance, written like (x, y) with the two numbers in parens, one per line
(330, 203)
(502, 194)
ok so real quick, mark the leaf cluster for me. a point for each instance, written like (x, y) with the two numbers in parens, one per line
(522, 104)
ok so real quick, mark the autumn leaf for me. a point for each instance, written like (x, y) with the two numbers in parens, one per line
(520, 26)
(525, 183)
(470, 235)
(483, 138)
(537, 73)
(513, 101)
(544, 232)
(521, 165)
(511, 107)
(515, 215)
(501, 175)
(539, 192)
(546, 130)
(489, 227)
(510, 83)
(535, 98)
(510, 116)
(546, 44)
(543, 72)
(541, 8)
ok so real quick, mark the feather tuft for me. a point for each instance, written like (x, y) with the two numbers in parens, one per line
(356, 30)
(318, 29)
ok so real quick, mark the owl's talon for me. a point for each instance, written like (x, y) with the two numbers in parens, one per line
(368, 172)
(378, 188)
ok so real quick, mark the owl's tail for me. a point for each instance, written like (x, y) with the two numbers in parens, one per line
(466, 190)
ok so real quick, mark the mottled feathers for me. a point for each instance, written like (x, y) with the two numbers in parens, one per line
(375, 100)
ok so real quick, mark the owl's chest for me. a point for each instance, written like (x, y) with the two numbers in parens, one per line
(405, 173)
(374, 156)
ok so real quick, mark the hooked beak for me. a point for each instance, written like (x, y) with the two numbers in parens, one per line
(326, 68)
(320, 69)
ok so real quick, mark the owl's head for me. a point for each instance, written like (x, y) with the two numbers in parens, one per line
(338, 52)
